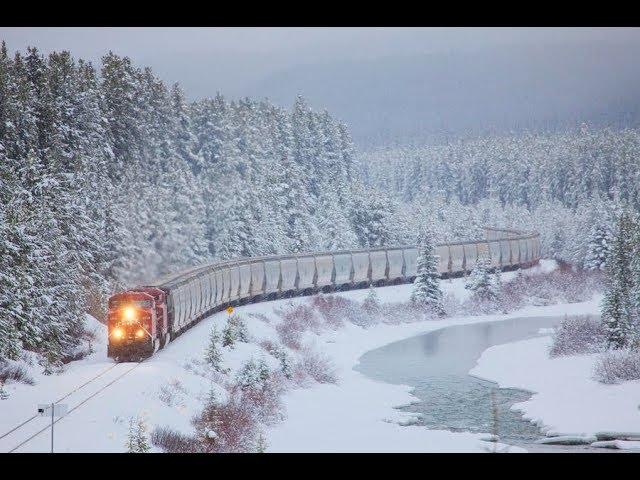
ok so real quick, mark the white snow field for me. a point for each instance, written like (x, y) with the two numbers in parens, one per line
(355, 415)
(567, 400)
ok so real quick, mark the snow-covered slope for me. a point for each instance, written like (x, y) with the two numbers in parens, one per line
(567, 399)
(356, 414)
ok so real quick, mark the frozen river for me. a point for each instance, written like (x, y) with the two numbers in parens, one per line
(436, 365)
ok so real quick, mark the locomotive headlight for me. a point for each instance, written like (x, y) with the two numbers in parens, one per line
(118, 333)
(129, 314)
(139, 333)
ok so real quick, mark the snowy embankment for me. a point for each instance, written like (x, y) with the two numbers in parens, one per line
(567, 400)
(358, 414)
(355, 414)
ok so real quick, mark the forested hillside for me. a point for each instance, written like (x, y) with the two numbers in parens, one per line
(110, 177)
(566, 185)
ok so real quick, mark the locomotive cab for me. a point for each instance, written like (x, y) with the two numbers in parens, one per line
(132, 326)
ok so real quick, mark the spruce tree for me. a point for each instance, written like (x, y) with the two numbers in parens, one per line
(213, 355)
(137, 441)
(481, 282)
(619, 311)
(598, 247)
(426, 290)
(371, 303)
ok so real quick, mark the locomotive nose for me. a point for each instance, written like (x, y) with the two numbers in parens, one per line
(129, 314)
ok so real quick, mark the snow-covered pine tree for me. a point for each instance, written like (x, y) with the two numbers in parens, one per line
(426, 287)
(618, 307)
(598, 247)
(228, 335)
(371, 303)
(253, 375)
(213, 355)
(481, 282)
(137, 437)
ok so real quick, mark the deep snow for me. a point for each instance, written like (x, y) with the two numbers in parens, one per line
(357, 414)
(567, 400)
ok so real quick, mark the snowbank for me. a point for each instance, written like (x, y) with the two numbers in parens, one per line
(567, 399)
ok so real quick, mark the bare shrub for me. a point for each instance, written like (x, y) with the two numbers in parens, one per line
(10, 371)
(259, 316)
(270, 346)
(316, 366)
(290, 335)
(295, 320)
(227, 427)
(234, 425)
(615, 366)
(580, 335)
(559, 286)
(172, 441)
(332, 308)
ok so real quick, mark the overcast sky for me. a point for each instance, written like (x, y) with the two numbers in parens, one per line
(205, 60)
(389, 82)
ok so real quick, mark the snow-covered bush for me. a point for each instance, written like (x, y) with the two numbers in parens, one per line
(171, 441)
(15, 372)
(615, 366)
(486, 288)
(234, 331)
(371, 304)
(295, 320)
(333, 309)
(452, 304)
(260, 316)
(316, 366)
(278, 352)
(226, 427)
(559, 286)
(580, 335)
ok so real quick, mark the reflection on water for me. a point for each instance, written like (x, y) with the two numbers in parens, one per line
(436, 364)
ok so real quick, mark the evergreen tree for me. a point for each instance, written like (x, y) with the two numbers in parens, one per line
(371, 303)
(213, 356)
(426, 290)
(598, 247)
(483, 285)
(618, 309)
(228, 335)
(137, 437)
(253, 375)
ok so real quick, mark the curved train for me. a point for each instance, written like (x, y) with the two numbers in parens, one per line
(146, 318)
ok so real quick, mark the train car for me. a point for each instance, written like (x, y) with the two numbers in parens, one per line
(146, 318)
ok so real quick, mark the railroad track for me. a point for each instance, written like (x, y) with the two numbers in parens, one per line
(24, 429)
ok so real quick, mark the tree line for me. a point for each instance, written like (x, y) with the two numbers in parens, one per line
(109, 177)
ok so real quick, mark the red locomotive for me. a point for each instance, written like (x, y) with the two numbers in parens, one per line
(137, 323)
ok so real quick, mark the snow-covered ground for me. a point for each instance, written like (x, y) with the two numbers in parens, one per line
(356, 414)
(567, 400)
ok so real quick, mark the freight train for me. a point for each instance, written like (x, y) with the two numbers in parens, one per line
(146, 318)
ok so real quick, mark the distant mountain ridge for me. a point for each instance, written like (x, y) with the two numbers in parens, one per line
(439, 95)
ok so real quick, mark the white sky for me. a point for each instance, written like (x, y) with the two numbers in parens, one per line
(205, 60)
